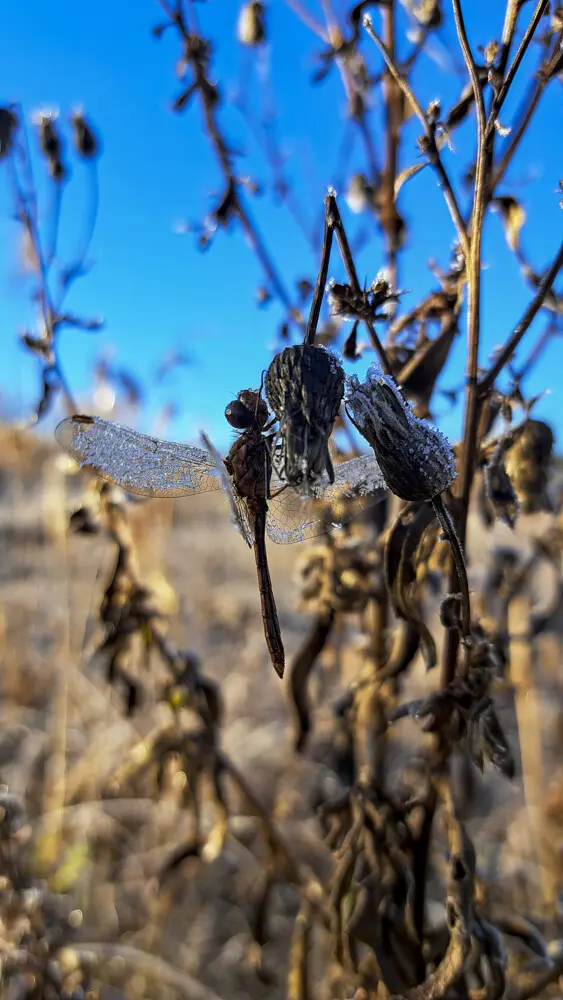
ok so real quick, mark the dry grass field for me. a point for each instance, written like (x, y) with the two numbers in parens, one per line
(99, 833)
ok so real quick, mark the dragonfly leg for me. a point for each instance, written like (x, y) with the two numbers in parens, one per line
(276, 493)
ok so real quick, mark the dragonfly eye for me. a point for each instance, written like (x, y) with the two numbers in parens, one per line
(239, 416)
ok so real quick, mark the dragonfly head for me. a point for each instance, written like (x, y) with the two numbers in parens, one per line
(247, 410)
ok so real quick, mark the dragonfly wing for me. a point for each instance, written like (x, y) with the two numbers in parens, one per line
(136, 462)
(358, 483)
(238, 507)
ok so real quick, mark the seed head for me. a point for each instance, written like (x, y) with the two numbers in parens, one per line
(305, 386)
(415, 458)
(8, 126)
(85, 139)
(49, 138)
(251, 27)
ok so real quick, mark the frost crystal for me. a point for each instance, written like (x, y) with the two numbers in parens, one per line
(416, 459)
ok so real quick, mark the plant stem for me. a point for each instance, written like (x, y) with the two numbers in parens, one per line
(446, 523)
(330, 205)
(348, 261)
(432, 151)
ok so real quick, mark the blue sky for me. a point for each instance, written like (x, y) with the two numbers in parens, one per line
(155, 290)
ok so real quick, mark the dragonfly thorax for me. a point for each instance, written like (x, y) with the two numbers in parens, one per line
(248, 463)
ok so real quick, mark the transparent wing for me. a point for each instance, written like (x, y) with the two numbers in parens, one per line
(136, 462)
(358, 483)
(239, 512)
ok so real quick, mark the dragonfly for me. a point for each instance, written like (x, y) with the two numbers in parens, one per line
(262, 504)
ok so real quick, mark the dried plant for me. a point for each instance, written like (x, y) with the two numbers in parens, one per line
(397, 901)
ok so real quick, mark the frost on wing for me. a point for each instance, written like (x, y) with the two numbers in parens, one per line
(136, 462)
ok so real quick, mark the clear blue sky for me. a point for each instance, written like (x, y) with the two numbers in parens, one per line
(152, 286)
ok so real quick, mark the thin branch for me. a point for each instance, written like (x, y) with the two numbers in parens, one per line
(472, 400)
(307, 19)
(330, 202)
(432, 151)
(535, 305)
(535, 985)
(150, 964)
(205, 90)
(393, 120)
(448, 527)
(551, 330)
(348, 261)
(522, 48)
(529, 106)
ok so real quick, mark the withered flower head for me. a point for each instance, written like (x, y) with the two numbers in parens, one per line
(8, 126)
(49, 139)
(527, 464)
(367, 303)
(305, 386)
(85, 139)
(415, 458)
(251, 28)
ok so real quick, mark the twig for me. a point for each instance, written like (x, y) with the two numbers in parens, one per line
(348, 261)
(330, 204)
(551, 330)
(528, 35)
(529, 106)
(472, 401)
(448, 527)
(393, 120)
(488, 380)
(431, 150)
(151, 965)
(204, 89)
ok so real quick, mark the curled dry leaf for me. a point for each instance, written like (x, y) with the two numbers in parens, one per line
(300, 672)
(406, 175)
(251, 26)
(419, 374)
(400, 562)
(513, 217)
(498, 486)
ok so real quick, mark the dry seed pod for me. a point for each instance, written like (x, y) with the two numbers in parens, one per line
(49, 138)
(8, 126)
(305, 386)
(417, 461)
(251, 26)
(527, 464)
(85, 140)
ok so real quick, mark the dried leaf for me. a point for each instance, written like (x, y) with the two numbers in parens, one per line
(498, 486)
(297, 975)
(350, 347)
(418, 376)
(513, 218)
(300, 671)
(400, 561)
(495, 745)
(406, 175)
(251, 26)
(8, 127)
(184, 98)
